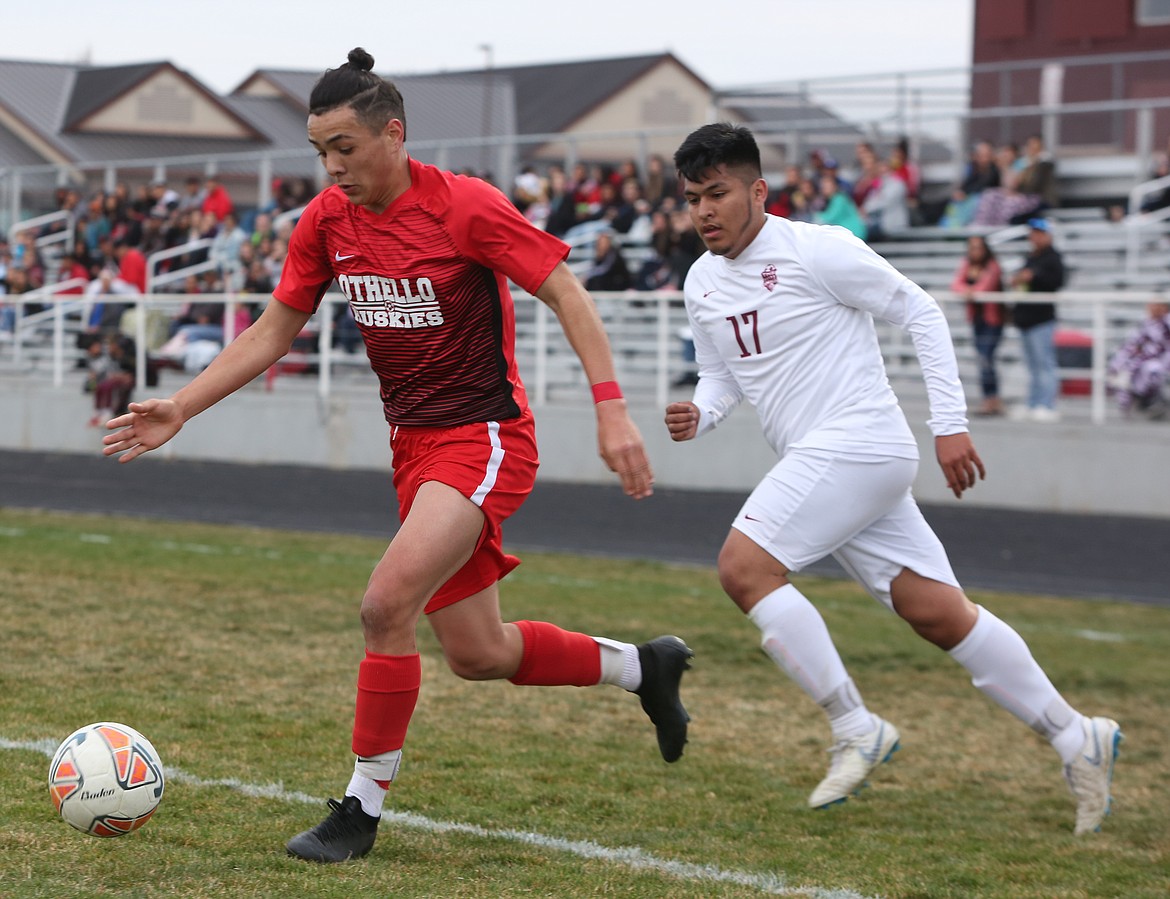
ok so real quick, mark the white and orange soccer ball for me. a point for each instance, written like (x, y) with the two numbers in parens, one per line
(106, 779)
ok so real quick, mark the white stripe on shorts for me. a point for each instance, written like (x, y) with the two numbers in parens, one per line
(493, 467)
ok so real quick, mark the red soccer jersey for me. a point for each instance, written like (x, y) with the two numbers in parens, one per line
(427, 282)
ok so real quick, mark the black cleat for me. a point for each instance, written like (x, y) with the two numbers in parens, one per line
(348, 833)
(664, 659)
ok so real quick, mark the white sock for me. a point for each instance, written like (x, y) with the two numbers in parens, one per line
(366, 774)
(367, 790)
(620, 665)
(1002, 667)
(797, 640)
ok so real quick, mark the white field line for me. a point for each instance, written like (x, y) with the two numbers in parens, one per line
(627, 856)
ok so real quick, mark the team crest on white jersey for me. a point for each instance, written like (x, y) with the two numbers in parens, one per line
(379, 302)
(770, 278)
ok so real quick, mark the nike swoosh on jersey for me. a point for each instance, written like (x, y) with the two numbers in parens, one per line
(709, 292)
(337, 257)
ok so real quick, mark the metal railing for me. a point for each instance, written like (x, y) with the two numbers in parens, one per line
(644, 330)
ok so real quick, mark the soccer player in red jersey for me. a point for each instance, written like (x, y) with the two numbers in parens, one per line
(424, 258)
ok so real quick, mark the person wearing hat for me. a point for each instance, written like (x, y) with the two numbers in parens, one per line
(1042, 272)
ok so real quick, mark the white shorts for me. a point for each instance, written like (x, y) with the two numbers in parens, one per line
(858, 509)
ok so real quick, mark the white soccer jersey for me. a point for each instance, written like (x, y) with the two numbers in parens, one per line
(788, 324)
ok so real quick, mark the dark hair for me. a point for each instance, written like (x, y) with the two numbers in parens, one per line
(715, 145)
(988, 251)
(375, 100)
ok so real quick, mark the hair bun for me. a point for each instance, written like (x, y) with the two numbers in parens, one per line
(361, 60)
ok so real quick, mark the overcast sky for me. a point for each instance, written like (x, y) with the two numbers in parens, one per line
(742, 42)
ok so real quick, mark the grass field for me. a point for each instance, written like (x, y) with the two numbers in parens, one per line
(235, 651)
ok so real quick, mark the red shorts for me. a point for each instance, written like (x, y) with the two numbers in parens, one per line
(491, 463)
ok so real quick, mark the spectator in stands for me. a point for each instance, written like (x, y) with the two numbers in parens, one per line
(527, 188)
(291, 193)
(259, 280)
(980, 272)
(780, 202)
(131, 264)
(16, 283)
(165, 199)
(839, 208)
(217, 199)
(995, 203)
(562, 211)
(66, 200)
(123, 226)
(75, 267)
(236, 273)
(586, 187)
(1043, 272)
(111, 376)
(1037, 179)
(903, 167)
(609, 270)
(464, 448)
(105, 309)
(1027, 187)
(686, 246)
(887, 207)
(981, 173)
(229, 237)
(655, 271)
(7, 311)
(658, 184)
(94, 225)
(806, 201)
(868, 176)
(1138, 368)
(191, 200)
(631, 206)
(27, 255)
(261, 229)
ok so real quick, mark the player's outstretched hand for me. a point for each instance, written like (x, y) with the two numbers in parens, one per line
(960, 463)
(682, 420)
(621, 448)
(148, 425)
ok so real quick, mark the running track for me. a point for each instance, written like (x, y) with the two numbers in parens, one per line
(1097, 556)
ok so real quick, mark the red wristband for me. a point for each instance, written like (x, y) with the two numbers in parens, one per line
(606, 390)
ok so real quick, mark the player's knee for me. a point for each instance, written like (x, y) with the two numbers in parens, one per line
(381, 617)
(939, 613)
(472, 663)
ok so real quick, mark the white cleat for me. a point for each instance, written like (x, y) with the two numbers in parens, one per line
(851, 763)
(1091, 772)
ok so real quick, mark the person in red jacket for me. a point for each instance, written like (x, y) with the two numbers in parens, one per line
(979, 272)
(131, 264)
(216, 199)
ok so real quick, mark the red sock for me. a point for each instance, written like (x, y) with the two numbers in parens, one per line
(387, 691)
(554, 657)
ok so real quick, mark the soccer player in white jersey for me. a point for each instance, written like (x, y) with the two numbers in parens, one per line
(782, 314)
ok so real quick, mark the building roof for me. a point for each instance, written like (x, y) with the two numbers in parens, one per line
(47, 108)
(94, 88)
(550, 97)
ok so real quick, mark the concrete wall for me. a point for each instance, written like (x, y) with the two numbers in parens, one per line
(1120, 468)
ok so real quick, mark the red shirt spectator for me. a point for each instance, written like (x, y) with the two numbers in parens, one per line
(216, 200)
(131, 265)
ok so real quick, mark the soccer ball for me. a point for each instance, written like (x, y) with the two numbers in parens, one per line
(106, 779)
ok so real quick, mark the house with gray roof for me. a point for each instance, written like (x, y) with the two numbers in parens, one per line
(92, 126)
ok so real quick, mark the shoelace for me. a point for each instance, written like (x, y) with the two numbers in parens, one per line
(338, 822)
